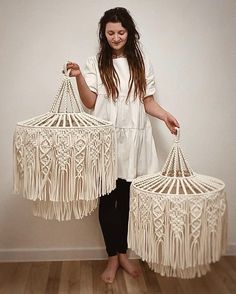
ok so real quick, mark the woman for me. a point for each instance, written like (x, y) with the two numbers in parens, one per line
(118, 85)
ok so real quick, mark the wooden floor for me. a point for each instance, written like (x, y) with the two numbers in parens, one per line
(83, 277)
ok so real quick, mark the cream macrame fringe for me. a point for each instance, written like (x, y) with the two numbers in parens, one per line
(178, 235)
(63, 211)
(66, 164)
(64, 159)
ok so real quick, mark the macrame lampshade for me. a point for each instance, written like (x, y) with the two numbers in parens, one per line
(178, 218)
(64, 159)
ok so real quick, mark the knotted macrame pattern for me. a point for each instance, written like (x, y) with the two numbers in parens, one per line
(64, 159)
(178, 219)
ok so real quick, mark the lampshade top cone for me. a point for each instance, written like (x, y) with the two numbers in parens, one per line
(177, 177)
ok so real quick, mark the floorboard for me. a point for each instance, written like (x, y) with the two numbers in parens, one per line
(83, 277)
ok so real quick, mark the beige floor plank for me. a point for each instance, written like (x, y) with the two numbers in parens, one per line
(99, 287)
(150, 278)
(6, 273)
(140, 279)
(225, 272)
(16, 281)
(37, 278)
(131, 284)
(119, 285)
(54, 275)
(169, 285)
(231, 260)
(70, 278)
(193, 286)
(86, 277)
(213, 284)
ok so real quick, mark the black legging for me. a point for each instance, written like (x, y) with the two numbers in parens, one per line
(114, 216)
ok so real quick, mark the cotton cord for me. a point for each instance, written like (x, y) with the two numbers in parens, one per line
(64, 160)
(178, 218)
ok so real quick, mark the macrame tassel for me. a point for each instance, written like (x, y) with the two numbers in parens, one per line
(64, 159)
(178, 236)
(64, 172)
(63, 211)
(178, 219)
(63, 164)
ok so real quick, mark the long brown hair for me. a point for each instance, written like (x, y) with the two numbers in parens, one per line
(132, 52)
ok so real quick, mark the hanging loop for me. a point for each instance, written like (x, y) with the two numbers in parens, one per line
(65, 71)
(177, 135)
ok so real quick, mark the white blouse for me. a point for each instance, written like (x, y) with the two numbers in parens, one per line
(136, 152)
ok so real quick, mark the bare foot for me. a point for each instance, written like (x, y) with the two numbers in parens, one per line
(109, 273)
(128, 266)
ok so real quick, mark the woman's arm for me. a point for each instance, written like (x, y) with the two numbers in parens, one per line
(154, 109)
(86, 95)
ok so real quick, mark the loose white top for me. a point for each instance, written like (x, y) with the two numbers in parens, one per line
(136, 152)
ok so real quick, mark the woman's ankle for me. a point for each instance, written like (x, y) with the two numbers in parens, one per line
(122, 255)
(128, 265)
(113, 259)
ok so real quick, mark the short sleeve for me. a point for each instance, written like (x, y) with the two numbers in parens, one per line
(150, 79)
(90, 74)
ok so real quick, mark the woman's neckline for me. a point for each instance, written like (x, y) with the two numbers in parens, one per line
(120, 57)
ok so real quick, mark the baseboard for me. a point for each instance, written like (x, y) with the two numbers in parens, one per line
(55, 254)
(61, 254)
(231, 249)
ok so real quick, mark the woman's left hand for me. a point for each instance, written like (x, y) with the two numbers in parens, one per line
(171, 123)
(154, 109)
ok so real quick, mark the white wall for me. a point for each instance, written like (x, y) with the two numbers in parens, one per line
(192, 45)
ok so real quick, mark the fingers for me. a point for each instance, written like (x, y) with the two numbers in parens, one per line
(69, 65)
(174, 121)
(175, 127)
(173, 131)
(172, 125)
(177, 124)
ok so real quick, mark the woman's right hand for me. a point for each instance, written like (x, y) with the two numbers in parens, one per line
(75, 69)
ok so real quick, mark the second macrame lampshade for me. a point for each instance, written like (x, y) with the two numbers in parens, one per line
(64, 159)
(178, 218)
